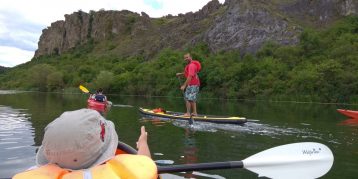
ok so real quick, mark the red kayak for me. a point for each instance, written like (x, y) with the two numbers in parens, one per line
(96, 105)
(349, 113)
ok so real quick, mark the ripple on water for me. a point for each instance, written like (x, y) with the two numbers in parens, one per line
(17, 150)
(253, 128)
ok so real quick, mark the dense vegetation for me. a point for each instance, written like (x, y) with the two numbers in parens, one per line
(322, 67)
(2, 69)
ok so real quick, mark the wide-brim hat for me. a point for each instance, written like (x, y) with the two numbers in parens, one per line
(77, 140)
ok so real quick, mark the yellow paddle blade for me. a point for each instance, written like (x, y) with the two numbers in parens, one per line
(84, 89)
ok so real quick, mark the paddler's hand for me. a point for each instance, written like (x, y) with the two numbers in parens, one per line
(142, 140)
(179, 74)
(182, 87)
(142, 144)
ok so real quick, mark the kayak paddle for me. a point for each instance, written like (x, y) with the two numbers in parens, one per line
(191, 120)
(84, 89)
(297, 160)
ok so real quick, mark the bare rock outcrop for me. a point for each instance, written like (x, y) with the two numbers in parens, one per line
(243, 25)
(247, 25)
(319, 12)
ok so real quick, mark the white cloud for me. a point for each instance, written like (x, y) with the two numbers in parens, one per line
(22, 21)
(12, 56)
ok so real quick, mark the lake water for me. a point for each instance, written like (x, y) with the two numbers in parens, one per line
(24, 115)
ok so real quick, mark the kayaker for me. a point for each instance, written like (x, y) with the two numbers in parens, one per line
(191, 84)
(83, 140)
(99, 96)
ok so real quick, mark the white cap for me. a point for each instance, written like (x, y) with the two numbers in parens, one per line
(78, 140)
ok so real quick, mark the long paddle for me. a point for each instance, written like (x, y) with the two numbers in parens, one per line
(191, 120)
(297, 160)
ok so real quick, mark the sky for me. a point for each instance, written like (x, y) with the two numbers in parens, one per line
(22, 21)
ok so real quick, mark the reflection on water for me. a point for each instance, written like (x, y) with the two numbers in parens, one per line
(226, 142)
(249, 127)
(255, 128)
(9, 92)
(16, 141)
(156, 121)
(175, 142)
(190, 150)
(104, 111)
(349, 122)
(122, 105)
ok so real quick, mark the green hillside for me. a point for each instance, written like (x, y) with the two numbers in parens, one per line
(322, 67)
(3, 69)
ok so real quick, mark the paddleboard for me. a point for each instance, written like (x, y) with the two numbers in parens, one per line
(202, 118)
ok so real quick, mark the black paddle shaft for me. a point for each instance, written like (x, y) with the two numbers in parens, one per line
(200, 166)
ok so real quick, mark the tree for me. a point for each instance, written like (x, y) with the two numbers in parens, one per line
(55, 81)
(38, 76)
(104, 80)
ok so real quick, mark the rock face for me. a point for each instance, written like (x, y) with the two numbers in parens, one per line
(64, 35)
(320, 12)
(243, 25)
(246, 25)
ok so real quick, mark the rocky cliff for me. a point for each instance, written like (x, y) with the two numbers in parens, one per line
(237, 24)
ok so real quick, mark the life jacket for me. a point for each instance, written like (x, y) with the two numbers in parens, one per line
(159, 110)
(124, 166)
(100, 97)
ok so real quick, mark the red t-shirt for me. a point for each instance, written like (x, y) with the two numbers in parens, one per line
(191, 70)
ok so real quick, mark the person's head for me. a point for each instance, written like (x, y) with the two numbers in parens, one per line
(187, 57)
(78, 140)
(100, 90)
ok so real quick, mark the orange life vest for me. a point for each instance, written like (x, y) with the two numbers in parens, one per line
(125, 166)
(159, 110)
